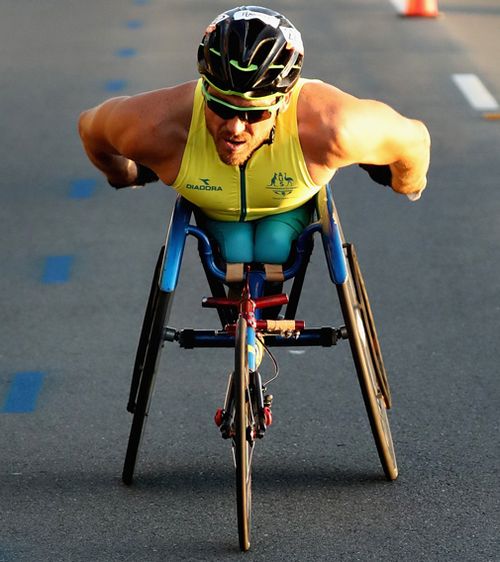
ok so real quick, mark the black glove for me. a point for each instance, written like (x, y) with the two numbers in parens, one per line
(380, 174)
(144, 175)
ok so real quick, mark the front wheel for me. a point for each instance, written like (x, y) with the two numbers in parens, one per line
(368, 360)
(243, 436)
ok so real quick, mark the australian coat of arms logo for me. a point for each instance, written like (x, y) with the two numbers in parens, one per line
(281, 184)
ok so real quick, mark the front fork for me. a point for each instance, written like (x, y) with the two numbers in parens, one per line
(260, 405)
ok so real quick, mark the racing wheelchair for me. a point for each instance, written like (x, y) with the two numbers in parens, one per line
(251, 325)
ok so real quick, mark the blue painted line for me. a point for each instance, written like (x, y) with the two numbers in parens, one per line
(82, 188)
(126, 53)
(140, 2)
(57, 269)
(134, 24)
(115, 85)
(23, 393)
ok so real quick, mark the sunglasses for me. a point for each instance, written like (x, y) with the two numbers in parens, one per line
(227, 111)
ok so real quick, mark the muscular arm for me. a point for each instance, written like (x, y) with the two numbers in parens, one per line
(371, 132)
(104, 131)
(378, 135)
(124, 137)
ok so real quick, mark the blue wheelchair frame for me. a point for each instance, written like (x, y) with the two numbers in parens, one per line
(180, 228)
(345, 275)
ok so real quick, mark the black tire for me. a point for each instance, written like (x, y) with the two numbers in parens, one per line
(243, 445)
(368, 360)
(145, 336)
(147, 359)
(371, 332)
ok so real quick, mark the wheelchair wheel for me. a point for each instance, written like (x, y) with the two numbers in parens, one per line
(368, 360)
(243, 440)
(147, 358)
(145, 336)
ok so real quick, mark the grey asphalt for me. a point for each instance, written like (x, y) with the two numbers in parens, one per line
(431, 269)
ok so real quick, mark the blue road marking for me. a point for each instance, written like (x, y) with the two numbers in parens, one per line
(82, 188)
(134, 24)
(115, 85)
(140, 2)
(23, 393)
(126, 52)
(57, 269)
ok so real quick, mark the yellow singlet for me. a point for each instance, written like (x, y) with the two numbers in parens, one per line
(275, 179)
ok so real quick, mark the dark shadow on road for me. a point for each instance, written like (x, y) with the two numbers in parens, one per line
(182, 478)
(267, 478)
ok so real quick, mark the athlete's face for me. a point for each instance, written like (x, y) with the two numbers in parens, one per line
(235, 138)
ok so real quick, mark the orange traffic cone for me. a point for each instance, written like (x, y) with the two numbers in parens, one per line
(421, 9)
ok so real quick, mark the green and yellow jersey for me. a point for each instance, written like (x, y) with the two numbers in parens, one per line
(274, 180)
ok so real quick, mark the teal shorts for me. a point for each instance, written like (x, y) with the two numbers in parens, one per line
(266, 240)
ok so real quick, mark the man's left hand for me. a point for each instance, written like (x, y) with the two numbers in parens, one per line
(380, 174)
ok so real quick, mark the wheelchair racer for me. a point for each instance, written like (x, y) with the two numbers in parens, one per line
(250, 142)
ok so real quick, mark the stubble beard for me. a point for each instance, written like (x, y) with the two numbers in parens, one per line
(240, 158)
(235, 159)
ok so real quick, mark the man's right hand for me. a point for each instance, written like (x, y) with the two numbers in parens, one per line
(143, 176)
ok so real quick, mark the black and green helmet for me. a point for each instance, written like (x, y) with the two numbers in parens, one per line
(251, 51)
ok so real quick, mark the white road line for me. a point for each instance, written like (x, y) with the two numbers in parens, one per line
(400, 5)
(475, 92)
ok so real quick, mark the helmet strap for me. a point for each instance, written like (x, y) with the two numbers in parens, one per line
(272, 134)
